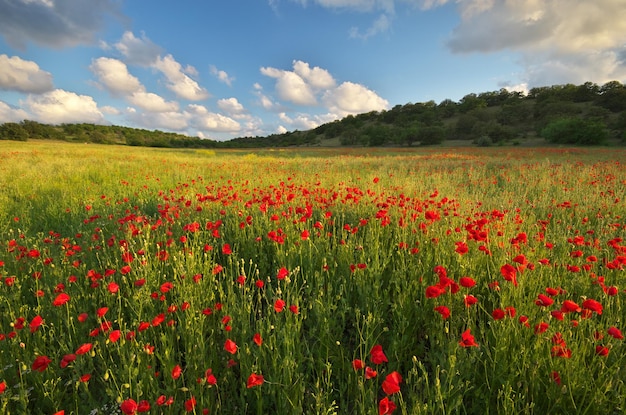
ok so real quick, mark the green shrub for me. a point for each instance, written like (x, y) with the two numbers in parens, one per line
(575, 131)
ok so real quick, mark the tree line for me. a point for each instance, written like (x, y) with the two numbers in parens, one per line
(586, 114)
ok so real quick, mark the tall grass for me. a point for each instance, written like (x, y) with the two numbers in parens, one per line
(189, 275)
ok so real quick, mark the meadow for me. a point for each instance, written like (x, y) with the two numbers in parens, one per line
(415, 281)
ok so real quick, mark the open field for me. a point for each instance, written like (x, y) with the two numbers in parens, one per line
(371, 281)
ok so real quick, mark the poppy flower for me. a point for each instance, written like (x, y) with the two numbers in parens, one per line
(35, 323)
(615, 332)
(592, 305)
(176, 372)
(257, 339)
(254, 380)
(544, 301)
(541, 327)
(434, 291)
(509, 273)
(467, 282)
(470, 300)
(392, 382)
(40, 363)
(279, 305)
(114, 336)
(467, 339)
(83, 349)
(377, 356)
(226, 250)
(282, 273)
(602, 350)
(357, 364)
(498, 314)
(3, 387)
(61, 299)
(570, 306)
(67, 359)
(386, 407)
(370, 373)
(443, 310)
(230, 346)
(129, 406)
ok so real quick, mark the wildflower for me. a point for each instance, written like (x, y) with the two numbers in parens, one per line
(443, 310)
(254, 380)
(83, 349)
(190, 404)
(385, 406)
(230, 346)
(602, 350)
(129, 406)
(357, 364)
(391, 384)
(40, 363)
(570, 306)
(470, 300)
(467, 339)
(35, 323)
(176, 372)
(282, 273)
(592, 305)
(370, 373)
(377, 355)
(467, 282)
(279, 305)
(615, 332)
(543, 300)
(257, 339)
(498, 314)
(509, 273)
(61, 299)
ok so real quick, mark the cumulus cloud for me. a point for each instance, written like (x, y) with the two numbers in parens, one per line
(114, 76)
(315, 86)
(560, 41)
(351, 98)
(380, 25)
(12, 114)
(232, 107)
(20, 75)
(151, 102)
(56, 24)
(205, 120)
(222, 76)
(59, 106)
(178, 82)
(138, 51)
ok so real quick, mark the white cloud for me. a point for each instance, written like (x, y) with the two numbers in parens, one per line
(59, 106)
(11, 114)
(291, 87)
(20, 75)
(114, 76)
(232, 107)
(56, 24)
(182, 85)
(380, 25)
(315, 77)
(171, 121)
(151, 102)
(138, 51)
(109, 110)
(222, 76)
(204, 120)
(351, 98)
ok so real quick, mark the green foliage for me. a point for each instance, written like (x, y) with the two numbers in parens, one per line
(13, 131)
(575, 131)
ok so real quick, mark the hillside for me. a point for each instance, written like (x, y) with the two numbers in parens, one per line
(585, 114)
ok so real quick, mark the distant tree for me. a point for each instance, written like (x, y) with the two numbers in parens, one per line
(431, 135)
(447, 108)
(13, 131)
(470, 102)
(575, 131)
(612, 96)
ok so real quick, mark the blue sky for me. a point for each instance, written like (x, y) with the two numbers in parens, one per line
(224, 69)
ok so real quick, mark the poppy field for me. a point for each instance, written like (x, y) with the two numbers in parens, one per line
(422, 281)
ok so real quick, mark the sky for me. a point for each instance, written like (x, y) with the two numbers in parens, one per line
(222, 69)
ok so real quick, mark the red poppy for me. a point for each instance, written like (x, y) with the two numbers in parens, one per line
(377, 356)
(592, 305)
(176, 372)
(544, 301)
(370, 373)
(467, 282)
(40, 363)
(83, 349)
(279, 305)
(257, 339)
(210, 377)
(386, 407)
(282, 273)
(467, 339)
(443, 310)
(615, 332)
(509, 273)
(570, 306)
(498, 314)
(602, 350)
(61, 299)
(115, 336)
(67, 359)
(102, 311)
(230, 346)
(541, 327)
(3, 387)
(470, 300)
(143, 406)
(434, 291)
(392, 382)
(226, 250)
(254, 380)
(357, 364)
(35, 323)
(129, 406)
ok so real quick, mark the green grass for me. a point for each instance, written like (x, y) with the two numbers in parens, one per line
(143, 234)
